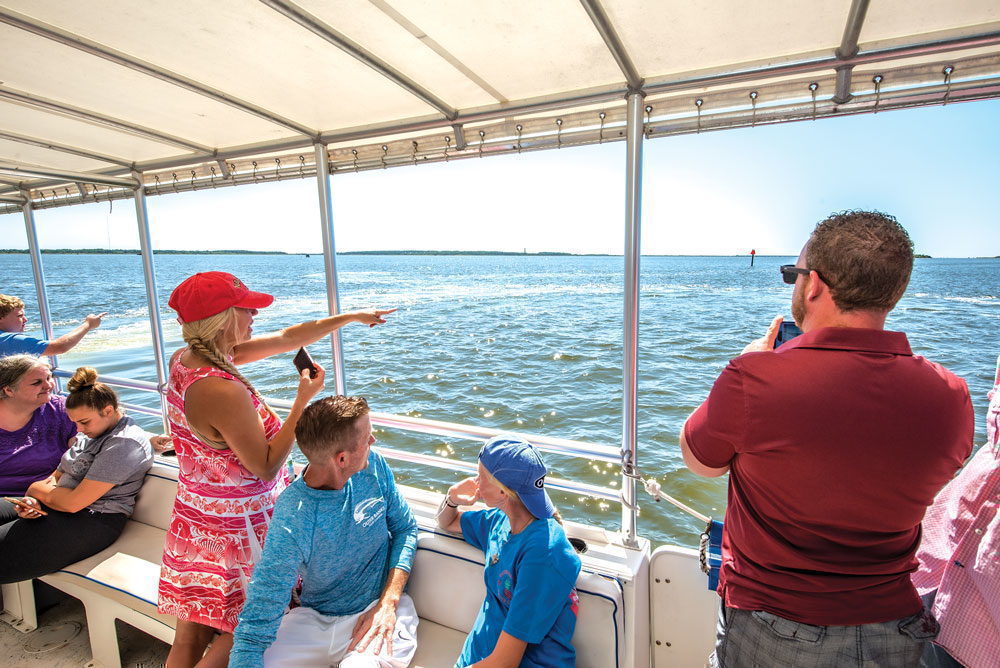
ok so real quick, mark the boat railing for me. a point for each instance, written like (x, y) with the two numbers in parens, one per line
(560, 446)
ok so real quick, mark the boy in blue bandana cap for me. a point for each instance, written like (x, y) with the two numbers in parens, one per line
(529, 614)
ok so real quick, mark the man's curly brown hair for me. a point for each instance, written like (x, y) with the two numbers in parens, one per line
(865, 257)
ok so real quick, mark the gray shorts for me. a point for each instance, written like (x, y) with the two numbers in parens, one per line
(756, 638)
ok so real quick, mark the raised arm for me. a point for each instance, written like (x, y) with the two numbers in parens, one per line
(303, 334)
(66, 342)
(226, 406)
(694, 464)
(464, 493)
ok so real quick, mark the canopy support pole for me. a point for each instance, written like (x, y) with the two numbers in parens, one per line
(330, 260)
(633, 208)
(39, 275)
(155, 325)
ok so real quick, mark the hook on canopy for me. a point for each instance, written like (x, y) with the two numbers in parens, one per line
(213, 176)
(649, 125)
(519, 128)
(600, 137)
(385, 153)
(753, 103)
(447, 145)
(559, 123)
(413, 157)
(877, 80)
(947, 82)
(813, 87)
(482, 140)
(697, 104)
(302, 166)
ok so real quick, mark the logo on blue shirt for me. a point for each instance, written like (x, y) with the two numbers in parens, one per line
(366, 512)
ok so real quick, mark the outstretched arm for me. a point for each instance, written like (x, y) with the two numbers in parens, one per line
(66, 342)
(303, 334)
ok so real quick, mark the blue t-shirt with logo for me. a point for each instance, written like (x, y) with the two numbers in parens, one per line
(14, 343)
(530, 589)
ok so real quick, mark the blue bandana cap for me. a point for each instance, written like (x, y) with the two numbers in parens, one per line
(517, 465)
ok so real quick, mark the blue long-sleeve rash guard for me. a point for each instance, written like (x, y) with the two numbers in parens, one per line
(342, 542)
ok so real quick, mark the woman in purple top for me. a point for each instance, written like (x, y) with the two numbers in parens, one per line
(34, 428)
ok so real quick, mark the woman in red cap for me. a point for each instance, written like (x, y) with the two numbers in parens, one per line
(232, 449)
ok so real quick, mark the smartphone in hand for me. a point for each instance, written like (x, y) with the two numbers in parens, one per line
(21, 504)
(786, 332)
(304, 361)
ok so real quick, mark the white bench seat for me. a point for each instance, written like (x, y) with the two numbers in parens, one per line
(446, 585)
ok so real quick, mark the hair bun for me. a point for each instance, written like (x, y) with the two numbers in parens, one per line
(83, 378)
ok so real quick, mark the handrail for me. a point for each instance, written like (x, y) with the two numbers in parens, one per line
(573, 486)
(562, 446)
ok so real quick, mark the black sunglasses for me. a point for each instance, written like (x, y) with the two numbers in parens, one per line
(789, 273)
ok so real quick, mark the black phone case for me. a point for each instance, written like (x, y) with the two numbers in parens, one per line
(304, 361)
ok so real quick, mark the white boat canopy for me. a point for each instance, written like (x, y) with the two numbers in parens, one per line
(98, 94)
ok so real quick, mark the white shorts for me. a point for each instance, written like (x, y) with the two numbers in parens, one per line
(307, 638)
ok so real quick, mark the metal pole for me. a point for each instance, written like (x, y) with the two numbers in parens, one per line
(155, 326)
(38, 273)
(633, 208)
(329, 259)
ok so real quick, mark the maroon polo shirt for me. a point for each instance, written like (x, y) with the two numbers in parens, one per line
(837, 443)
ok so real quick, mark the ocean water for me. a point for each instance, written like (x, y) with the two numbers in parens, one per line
(532, 344)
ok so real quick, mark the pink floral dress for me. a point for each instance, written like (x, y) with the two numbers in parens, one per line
(219, 520)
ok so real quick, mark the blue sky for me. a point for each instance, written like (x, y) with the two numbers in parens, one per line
(937, 169)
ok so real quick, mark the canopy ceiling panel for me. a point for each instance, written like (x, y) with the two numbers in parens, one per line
(41, 67)
(895, 19)
(32, 122)
(405, 46)
(26, 154)
(524, 48)
(245, 49)
(175, 86)
(671, 37)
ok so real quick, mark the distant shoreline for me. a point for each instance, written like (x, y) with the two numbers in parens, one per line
(133, 251)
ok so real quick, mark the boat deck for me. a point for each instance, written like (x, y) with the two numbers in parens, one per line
(61, 641)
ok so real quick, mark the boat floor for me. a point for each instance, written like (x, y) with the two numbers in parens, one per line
(46, 646)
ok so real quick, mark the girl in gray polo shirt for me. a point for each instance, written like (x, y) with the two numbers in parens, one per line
(82, 507)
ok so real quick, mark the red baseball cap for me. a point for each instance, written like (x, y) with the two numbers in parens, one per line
(211, 292)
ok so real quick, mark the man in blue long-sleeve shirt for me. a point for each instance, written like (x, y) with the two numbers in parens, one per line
(345, 529)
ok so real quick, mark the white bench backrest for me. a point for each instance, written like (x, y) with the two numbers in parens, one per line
(156, 498)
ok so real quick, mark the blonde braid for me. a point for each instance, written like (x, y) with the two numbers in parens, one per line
(200, 335)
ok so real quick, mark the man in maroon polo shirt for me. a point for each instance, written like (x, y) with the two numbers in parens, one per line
(836, 443)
